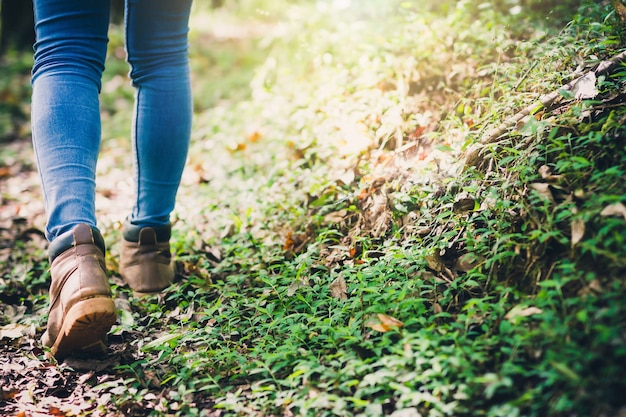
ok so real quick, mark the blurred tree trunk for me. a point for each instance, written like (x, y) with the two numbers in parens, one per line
(16, 25)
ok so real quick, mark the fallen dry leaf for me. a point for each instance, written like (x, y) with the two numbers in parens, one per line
(365, 192)
(377, 326)
(15, 331)
(56, 411)
(585, 87)
(423, 231)
(466, 262)
(254, 136)
(464, 204)
(296, 285)
(289, 243)
(338, 288)
(13, 313)
(543, 189)
(617, 209)
(520, 311)
(336, 216)
(578, 230)
(594, 287)
(434, 261)
(5, 172)
(387, 323)
(8, 394)
(546, 174)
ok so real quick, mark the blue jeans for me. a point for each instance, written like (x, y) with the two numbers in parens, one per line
(70, 53)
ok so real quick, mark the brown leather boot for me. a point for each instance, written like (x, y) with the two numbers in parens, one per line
(145, 259)
(81, 308)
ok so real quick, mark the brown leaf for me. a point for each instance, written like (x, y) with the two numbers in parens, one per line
(617, 209)
(464, 204)
(5, 172)
(467, 262)
(152, 379)
(379, 327)
(15, 331)
(594, 287)
(85, 377)
(239, 147)
(389, 321)
(546, 174)
(365, 192)
(386, 324)
(519, 311)
(296, 285)
(254, 136)
(56, 412)
(423, 231)
(338, 288)
(434, 261)
(578, 230)
(13, 313)
(289, 243)
(585, 87)
(10, 394)
(336, 216)
(543, 189)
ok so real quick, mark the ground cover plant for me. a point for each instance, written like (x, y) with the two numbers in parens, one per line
(352, 236)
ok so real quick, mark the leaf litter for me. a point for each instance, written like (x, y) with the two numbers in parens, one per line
(366, 180)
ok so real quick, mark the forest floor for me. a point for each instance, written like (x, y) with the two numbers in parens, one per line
(407, 209)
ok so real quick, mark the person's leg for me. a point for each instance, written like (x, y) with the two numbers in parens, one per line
(156, 41)
(70, 49)
(157, 46)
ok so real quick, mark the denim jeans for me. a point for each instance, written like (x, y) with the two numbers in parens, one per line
(70, 51)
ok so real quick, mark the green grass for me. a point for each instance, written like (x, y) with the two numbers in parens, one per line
(327, 196)
(534, 328)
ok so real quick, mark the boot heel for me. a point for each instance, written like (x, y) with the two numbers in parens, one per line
(84, 327)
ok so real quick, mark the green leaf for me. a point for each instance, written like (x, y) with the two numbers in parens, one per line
(564, 370)
(161, 342)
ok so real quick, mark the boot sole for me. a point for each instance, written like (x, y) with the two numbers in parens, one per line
(84, 327)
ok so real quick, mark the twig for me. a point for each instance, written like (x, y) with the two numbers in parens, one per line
(473, 156)
(547, 99)
(523, 77)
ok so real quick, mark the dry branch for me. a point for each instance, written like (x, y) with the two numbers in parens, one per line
(546, 100)
(473, 157)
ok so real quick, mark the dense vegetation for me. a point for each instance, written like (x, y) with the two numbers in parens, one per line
(353, 239)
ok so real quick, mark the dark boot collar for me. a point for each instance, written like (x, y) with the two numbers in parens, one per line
(65, 241)
(131, 232)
